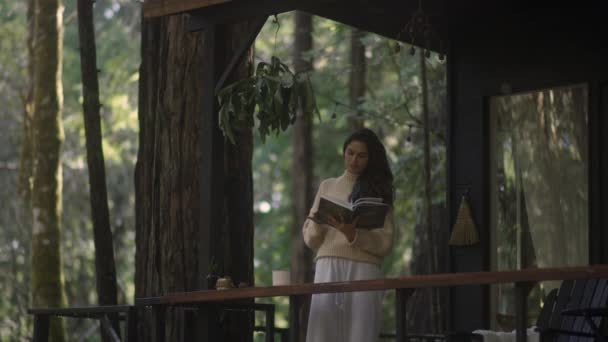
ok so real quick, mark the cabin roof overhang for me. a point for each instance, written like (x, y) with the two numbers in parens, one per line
(384, 17)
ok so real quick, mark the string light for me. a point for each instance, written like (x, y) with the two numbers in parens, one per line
(410, 125)
(420, 25)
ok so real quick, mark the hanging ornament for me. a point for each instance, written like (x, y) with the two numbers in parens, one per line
(412, 51)
(333, 114)
(464, 231)
(397, 47)
(409, 134)
(441, 55)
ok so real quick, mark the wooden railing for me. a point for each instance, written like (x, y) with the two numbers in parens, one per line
(404, 287)
(105, 314)
(240, 298)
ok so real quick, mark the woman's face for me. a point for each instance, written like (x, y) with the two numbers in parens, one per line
(356, 157)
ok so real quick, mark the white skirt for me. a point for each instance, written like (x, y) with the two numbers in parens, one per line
(345, 317)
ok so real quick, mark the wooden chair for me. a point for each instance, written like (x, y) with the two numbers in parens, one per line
(578, 311)
(572, 313)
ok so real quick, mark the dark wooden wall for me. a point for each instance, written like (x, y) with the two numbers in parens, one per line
(527, 49)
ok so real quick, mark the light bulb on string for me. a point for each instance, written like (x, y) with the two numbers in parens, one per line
(441, 55)
(334, 115)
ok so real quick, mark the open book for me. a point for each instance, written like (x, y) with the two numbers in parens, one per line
(369, 211)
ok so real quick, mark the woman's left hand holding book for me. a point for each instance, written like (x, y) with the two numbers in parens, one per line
(348, 229)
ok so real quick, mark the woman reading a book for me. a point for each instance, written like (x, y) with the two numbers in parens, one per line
(346, 252)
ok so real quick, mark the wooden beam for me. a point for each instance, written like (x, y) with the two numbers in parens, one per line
(245, 10)
(159, 8)
(243, 47)
(386, 18)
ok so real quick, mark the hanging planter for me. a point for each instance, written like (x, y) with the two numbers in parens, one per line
(274, 94)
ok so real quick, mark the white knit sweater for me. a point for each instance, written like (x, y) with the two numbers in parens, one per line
(368, 246)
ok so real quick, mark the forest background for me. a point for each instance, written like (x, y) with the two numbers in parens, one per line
(391, 104)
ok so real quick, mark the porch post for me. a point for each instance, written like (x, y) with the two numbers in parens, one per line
(294, 318)
(211, 145)
(522, 289)
(41, 328)
(401, 298)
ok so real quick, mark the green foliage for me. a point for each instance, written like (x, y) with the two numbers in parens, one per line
(117, 30)
(275, 91)
(390, 105)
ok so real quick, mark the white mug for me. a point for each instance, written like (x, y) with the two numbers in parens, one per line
(280, 277)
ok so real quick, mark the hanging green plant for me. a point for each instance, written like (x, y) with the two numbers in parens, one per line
(274, 91)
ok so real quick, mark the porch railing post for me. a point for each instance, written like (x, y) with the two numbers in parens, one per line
(401, 298)
(131, 325)
(41, 328)
(522, 289)
(294, 318)
(159, 322)
(270, 324)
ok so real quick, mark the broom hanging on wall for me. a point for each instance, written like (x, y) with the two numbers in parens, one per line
(464, 232)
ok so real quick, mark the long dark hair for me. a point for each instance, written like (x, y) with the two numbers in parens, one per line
(377, 179)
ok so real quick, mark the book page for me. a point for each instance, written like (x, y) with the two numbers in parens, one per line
(369, 201)
(336, 209)
(339, 202)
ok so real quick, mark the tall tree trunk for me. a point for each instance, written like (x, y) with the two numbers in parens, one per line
(168, 174)
(302, 171)
(26, 153)
(47, 276)
(358, 72)
(428, 205)
(105, 269)
(24, 185)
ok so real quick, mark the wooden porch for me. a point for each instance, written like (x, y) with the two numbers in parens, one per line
(207, 303)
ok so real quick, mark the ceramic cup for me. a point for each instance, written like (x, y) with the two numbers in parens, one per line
(280, 277)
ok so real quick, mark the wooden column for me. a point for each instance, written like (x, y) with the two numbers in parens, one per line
(401, 298)
(41, 328)
(212, 146)
(294, 322)
(522, 289)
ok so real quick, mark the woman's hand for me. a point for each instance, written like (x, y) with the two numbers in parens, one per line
(348, 229)
(315, 218)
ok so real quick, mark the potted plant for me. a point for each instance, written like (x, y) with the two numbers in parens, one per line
(212, 276)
